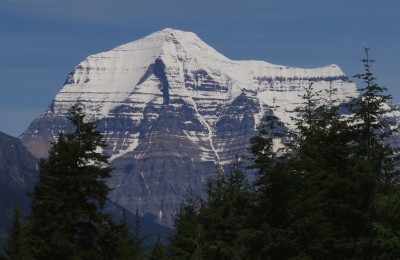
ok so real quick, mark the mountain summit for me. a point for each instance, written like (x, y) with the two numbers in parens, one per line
(171, 108)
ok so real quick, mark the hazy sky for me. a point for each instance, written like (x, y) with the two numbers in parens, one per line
(41, 41)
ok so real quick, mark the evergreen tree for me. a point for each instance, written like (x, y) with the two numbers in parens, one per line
(16, 247)
(130, 242)
(158, 250)
(377, 165)
(312, 199)
(371, 122)
(67, 221)
(276, 191)
(224, 215)
(330, 191)
(327, 218)
(137, 234)
(386, 227)
(187, 241)
(375, 161)
(320, 195)
(218, 226)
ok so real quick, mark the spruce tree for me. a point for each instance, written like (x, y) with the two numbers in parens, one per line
(187, 241)
(325, 194)
(327, 218)
(376, 161)
(386, 226)
(130, 243)
(377, 165)
(371, 119)
(67, 221)
(216, 227)
(330, 192)
(224, 215)
(275, 190)
(309, 194)
(16, 247)
(158, 250)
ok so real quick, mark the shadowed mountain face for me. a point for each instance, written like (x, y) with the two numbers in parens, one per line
(18, 172)
(171, 109)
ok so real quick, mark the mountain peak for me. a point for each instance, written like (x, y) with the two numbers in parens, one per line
(162, 36)
(182, 63)
(173, 42)
(173, 32)
(170, 108)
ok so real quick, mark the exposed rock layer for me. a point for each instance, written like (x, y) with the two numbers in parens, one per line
(171, 108)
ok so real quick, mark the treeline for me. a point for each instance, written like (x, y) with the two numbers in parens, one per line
(327, 189)
(67, 219)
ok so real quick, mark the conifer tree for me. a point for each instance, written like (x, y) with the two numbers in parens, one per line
(158, 250)
(320, 195)
(377, 165)
(327, 215)
(216, 227)
(224, 215)
(67, 221)
(139, 238)
(330, 192)
(309, 194)
(371, 109)
(275, 191)
(386, 226)
(187, 241)
(376, 161)
(130, 242)
(16, 247)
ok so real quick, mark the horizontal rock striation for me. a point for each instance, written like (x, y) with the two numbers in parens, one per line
(171, 109)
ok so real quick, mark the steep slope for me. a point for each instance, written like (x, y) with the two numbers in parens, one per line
(171, 109)
(18, 172)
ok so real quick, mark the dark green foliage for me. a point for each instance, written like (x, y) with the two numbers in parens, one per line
(373, 126)
(296, 192)
(371, 110)
(186, 243)
(330, 191)
(319, 195)
(16, 247)
(376, 162)
(158, 250)
(66, 220)
(261, 145)
(217, 227)
(130, 242)
(224, 215)
(330, 217)
(324, 194)
(386, 226)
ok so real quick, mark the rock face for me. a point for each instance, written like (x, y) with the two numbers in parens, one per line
(171, 108)
(18, 172)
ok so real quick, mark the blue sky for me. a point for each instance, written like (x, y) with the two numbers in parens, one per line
(41, 41)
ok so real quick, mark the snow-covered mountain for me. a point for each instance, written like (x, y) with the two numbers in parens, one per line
(171, 108)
